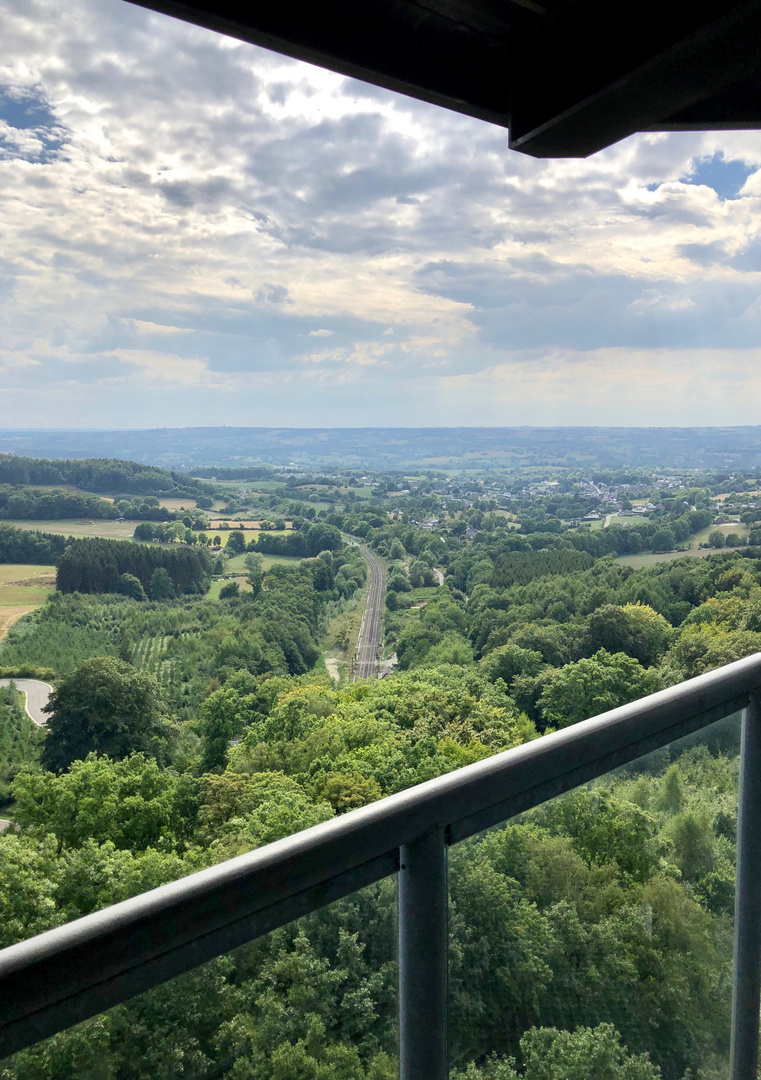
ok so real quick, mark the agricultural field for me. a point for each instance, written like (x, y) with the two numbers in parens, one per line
(176, 504)
(25, 587)
(238, 564)
(149, 654)
(730, 527)
(627, 522)
(107, 530)
(216, 586)
(248, 525)
(651, 558)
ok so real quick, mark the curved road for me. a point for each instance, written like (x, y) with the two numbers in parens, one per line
(36, 693)
(368, 643)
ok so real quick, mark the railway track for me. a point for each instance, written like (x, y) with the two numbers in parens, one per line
(368, 643)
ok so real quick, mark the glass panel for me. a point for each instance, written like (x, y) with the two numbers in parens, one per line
(592, 936)
(314, 1000)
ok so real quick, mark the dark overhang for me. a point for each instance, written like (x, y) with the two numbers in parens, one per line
(566, 77)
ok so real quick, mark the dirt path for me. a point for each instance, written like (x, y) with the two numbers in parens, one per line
(10, 615)
(332, 665)
(439, 575)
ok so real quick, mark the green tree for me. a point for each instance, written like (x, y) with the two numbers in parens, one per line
(132, 803)
(161, 587)
(236, 543)
(129, 585)
(594, 685)
(663, 540)
(255, 568)
(716, 538)
(105, 707)
(634, 629)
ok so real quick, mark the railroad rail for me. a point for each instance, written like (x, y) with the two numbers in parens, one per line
(368, 642)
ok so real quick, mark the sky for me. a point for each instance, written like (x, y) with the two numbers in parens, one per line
(195, 231)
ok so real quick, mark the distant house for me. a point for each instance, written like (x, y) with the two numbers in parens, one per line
(471, 533)
(720, 520)
(592, 516)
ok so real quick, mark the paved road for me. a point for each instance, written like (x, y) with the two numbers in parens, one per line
(36, 693)
(368, 644)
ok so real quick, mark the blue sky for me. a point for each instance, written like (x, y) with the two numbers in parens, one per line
(196, 231)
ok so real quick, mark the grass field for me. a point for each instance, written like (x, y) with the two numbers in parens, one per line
(178, 504)
(109, 530)
(213, 593)
(730, 527)
(237, 565)
(23, 588)
(650, 558)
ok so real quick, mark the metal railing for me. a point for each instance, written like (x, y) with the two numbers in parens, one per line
(58, 978)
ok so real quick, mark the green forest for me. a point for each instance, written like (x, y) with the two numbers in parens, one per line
(590, 939)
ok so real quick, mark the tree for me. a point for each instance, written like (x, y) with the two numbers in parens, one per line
(130, 586)
(230, 590)
(236, 543)
(663, 540)
(255, 569)
(716, 538)
(594, 685)
(105, 707)
(635, 629)
(161, 585)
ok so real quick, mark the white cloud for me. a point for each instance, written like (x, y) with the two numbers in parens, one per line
(181, 214)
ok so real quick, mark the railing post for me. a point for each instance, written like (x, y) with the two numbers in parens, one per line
(746, 988)
(423, 909)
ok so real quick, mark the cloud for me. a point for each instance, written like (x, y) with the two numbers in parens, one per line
(185, 217)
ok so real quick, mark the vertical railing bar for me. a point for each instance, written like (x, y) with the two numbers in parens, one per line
(746, 985)
(423, 931)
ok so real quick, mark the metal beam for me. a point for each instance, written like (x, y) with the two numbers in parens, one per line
(404, 46)
(594, 72)
(423, 931)
(746, 987)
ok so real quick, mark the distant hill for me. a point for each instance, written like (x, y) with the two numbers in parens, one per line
(184, 449)
(102, 475)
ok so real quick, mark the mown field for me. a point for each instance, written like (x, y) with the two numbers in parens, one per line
(23, 588)
(178, 504)
(237, 565)
(108, 530)
(26, 586)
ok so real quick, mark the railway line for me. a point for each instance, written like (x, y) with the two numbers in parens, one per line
(368, 643)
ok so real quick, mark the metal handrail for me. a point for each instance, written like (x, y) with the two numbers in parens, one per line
(68, 974)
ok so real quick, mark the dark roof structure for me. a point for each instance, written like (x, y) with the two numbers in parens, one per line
(566, 77)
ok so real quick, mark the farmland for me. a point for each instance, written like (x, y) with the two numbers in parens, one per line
(107, 530)
(23, 586)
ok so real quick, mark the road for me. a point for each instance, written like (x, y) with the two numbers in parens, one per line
(368, 643)
(36, 694)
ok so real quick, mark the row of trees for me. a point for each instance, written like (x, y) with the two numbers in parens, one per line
(25, 503)
(99, 566)
(22, 546)
(105, 475)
